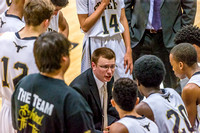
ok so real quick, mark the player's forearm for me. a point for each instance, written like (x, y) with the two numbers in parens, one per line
(64, 30)
(63, 25)
(126, 34)
(87, 22)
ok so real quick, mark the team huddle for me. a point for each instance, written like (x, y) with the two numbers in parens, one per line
(130, 48)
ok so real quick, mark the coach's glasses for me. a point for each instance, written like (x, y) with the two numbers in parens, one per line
(106, 67)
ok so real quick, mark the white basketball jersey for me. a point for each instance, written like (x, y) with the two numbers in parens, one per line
(109, 22)
(4, 5)
(139, 125)
(195, 79)
(10, 23)
(54, 23)
(169, 112)
(17, 61)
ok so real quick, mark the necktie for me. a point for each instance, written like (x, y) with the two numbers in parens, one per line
(156, 22)
(105, 104)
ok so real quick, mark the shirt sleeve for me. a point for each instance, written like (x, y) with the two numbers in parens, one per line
(82, 6)
(122, 5)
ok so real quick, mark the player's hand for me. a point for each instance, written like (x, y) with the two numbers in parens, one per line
(106, 2)
(128, 61)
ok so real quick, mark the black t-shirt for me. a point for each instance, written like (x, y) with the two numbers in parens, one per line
(45, 105)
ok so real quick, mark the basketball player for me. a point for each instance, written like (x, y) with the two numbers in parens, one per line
(183, 59)
(62, 109)
(164, 106)
(11, 19)
(4, 5)
(103, 23)
(189, 34)
(58, 22)
(16, 54)
(124, 100)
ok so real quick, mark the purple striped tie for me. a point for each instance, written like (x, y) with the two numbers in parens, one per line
(156, 22)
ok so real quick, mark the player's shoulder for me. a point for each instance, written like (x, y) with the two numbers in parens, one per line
(7, 34)
(191, 90)
(118, 128)
(143, 108)
(169, 91)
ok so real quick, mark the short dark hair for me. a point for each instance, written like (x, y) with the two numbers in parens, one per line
(48, 51)
(36, 11)
(184, 52)
(61, 3)
(149, 70)
(102, 52)
(188, 34)
(125, 93)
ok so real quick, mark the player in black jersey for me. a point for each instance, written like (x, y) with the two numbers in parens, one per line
(42, 102)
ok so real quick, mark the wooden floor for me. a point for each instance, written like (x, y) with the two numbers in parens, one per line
(76, 36)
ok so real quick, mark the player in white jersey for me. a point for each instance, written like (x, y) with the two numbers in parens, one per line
(11, 19)
(16, 55)
(189, 34)
(164, 106)
(105, 25)
(4, 5)
(58, 22)
(183, 59)
(124, 100)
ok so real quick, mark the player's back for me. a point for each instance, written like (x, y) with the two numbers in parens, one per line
(17, 61)
(51, 106)
(139, 124)
(10, 23)
(169, 111)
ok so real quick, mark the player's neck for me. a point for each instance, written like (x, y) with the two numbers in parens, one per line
(191, 70)
(152, 90)
(16, 9)
(55, 75)
(123, 113)
(31, 31)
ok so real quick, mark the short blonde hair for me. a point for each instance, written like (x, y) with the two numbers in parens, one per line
(36, 11)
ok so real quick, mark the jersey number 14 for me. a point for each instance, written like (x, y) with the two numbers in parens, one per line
(113, 24)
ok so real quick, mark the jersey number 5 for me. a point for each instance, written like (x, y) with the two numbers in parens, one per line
(17, 66)
(113, 24)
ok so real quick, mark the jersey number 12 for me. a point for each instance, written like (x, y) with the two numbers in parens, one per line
(16, 66)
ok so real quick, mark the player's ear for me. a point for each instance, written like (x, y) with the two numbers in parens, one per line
(137, 101)
(112, 102)
(138, 83)
(46, 22)
(64, 58)
(181, 65)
